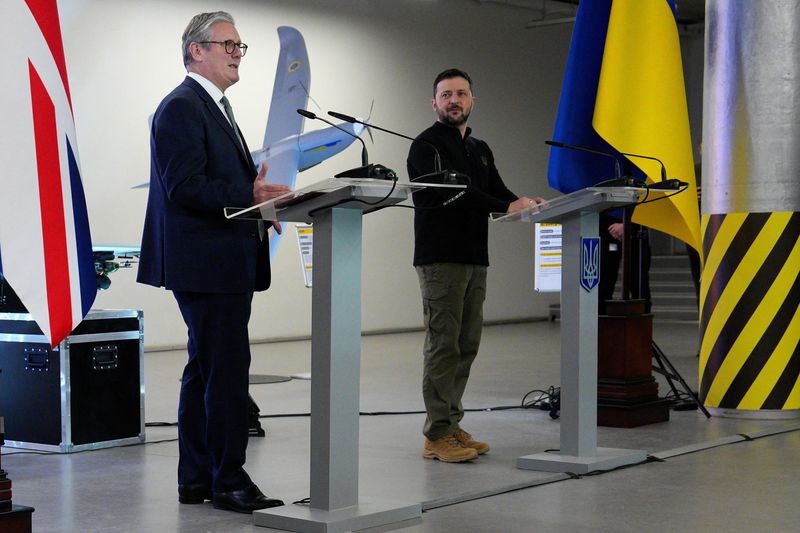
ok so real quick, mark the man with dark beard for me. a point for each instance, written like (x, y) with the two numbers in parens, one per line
(451, 256)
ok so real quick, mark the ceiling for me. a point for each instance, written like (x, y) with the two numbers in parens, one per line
(543, 11)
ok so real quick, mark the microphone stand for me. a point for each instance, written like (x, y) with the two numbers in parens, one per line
(366, 170)
(437, 160)
(627, 242)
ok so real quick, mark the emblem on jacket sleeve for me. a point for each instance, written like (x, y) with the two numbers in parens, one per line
(590, 262)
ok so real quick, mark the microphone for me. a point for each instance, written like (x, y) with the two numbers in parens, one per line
(437, 161)
(617, 172)
(664, 184)
(312, 116)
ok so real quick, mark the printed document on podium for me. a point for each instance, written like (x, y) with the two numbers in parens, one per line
(547, 258)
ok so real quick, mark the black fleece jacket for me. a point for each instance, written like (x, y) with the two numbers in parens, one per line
(457, 232)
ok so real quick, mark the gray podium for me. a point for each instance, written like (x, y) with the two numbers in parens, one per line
(336, 208)
(578, 214)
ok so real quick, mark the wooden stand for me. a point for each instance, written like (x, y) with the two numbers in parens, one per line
(627, 393)
(13, 518)
(17, 520)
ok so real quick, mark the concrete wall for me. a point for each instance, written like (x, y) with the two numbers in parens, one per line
(124, 56)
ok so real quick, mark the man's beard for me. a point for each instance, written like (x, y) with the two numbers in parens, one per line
(445, 118)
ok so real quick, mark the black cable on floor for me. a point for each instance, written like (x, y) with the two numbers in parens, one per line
(546, 401)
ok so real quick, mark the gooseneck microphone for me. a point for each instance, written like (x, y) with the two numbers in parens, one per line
(437, 162)
(617, 172)
(366, 170)
(364, 157)
(664, 184)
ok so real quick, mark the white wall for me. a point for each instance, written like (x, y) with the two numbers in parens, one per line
(123, 56)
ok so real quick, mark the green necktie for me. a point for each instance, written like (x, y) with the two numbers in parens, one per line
(229, 111)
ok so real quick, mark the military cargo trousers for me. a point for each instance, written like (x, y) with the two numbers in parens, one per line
(452, 300)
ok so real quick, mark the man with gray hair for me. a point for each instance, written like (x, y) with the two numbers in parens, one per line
(200, 164)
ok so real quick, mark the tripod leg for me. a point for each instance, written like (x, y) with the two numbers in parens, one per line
(658, 355)
(254, 428)
(661, 356)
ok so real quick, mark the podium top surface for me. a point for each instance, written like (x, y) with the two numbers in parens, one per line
(590, 199)
(367, 194)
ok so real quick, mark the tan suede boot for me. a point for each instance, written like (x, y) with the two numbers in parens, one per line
(466, 440)
(448, 449)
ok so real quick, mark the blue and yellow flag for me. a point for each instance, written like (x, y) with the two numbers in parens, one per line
(570, 170)
(623, 91)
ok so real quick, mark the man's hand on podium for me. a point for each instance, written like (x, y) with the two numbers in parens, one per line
(523, 203)
(263, 191)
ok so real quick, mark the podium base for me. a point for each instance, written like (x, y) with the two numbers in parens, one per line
(602, 459)
(361, 516)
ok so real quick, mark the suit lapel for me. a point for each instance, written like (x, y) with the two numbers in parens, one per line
(222, 120)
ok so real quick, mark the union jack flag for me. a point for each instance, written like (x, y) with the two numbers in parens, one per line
(45, 244)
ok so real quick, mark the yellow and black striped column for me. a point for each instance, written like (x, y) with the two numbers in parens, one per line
(750, 285)
(750, 311)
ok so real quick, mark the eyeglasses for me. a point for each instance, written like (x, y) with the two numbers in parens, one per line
(229, 45)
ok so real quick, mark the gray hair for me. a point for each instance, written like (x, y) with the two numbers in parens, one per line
(199, 29)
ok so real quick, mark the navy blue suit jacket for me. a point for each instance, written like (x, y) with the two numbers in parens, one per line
(197, 169)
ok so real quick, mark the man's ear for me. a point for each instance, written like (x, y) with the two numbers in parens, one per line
(195, 49)
(433, 104)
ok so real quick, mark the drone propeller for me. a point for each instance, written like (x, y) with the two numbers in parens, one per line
(369, 130)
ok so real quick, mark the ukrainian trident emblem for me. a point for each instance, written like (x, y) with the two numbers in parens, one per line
(590, 262)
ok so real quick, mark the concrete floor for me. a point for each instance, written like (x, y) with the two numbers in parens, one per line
(711, 478)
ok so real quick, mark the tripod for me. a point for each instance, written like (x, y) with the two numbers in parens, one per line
(254, 428)
(671, 374)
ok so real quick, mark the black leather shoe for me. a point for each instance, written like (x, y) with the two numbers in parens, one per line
(194, 493)
(244, 500)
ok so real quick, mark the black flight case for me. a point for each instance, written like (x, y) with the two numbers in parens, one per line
(86, 393)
